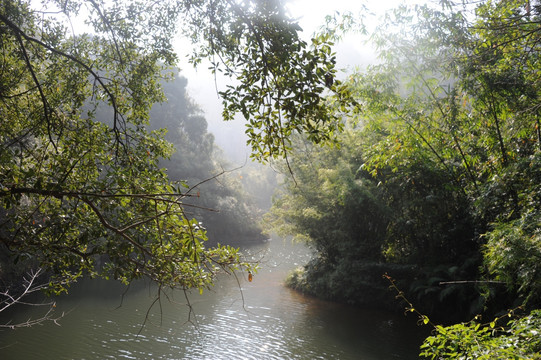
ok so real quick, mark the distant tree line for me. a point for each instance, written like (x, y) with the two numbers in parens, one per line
(228, 212)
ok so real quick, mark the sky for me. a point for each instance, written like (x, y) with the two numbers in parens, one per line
(311, 15)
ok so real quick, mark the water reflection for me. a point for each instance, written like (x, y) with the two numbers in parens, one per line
(258, 320)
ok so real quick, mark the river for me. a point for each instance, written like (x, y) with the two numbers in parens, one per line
(260, 320)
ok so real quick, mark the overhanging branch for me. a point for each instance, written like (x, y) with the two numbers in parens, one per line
(19, 33)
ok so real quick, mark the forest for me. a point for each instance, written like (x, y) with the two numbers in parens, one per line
(435, 181)
(418, 174)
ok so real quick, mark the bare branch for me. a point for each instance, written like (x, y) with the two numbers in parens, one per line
(30, 285)
(471, 282)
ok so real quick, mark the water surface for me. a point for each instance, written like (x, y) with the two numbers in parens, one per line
(261, 319)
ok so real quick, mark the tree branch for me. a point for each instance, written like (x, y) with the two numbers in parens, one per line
(30, 286)
(20, 33)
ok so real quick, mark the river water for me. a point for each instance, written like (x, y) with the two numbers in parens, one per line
(261, 319)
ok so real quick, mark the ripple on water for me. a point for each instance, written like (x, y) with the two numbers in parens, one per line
(265, 321)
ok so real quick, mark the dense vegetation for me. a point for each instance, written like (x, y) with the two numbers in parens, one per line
(82, 184)
(437, 178)
(433, 176)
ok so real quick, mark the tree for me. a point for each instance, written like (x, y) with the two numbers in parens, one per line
(473, 111)
(221, 204)
(338, 210)
(450, 135)
(459, 96)
(81, 190)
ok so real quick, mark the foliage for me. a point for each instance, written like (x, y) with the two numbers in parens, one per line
(472, 116)
(354, 282)
(81, 185)
(516, 339)
(325, 202)
(355, 220)
(445, 291)
(447, 144)
(280, 78)
(512, 254)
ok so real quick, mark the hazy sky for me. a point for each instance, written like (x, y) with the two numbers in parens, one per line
(311, 14)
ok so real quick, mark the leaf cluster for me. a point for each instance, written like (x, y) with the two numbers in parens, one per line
(280, 79)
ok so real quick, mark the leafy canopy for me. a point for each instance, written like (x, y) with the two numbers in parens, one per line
(81, 189)
(447, 141)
